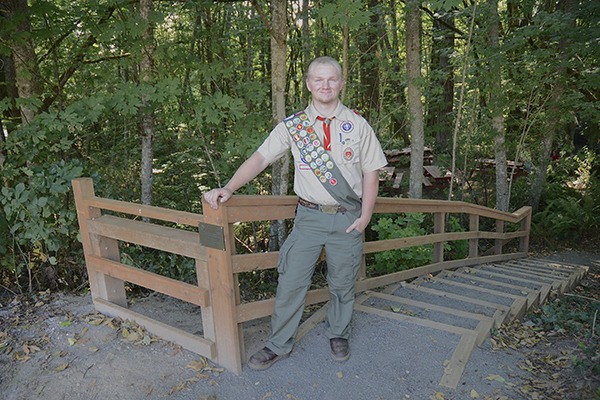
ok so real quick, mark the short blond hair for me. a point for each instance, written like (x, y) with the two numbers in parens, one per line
(324, 60)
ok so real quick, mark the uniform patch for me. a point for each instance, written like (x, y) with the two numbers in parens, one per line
(347, 126)
(348, 154)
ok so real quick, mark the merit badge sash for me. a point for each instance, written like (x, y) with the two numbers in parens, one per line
(321, 163)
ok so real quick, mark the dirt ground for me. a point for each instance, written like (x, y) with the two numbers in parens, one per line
(56, 346)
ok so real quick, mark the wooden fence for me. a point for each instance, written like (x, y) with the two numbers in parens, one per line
(105, 222)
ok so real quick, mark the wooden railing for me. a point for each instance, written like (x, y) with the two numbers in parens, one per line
(218, 266)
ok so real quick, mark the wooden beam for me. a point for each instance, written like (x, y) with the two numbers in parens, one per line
(101, 286)
(146, 211)
(193, 343)
(499, 317)
(482, 332)
(223, 294)
(171, 287)
(457, 363)
(172, 240)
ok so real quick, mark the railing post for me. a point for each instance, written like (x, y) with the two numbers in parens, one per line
(525, 226)
(439, 226)
(101, 286)
(473, 243)
(223, 293)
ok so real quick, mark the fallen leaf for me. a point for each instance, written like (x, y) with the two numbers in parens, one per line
(177, 388)
(474, 394)
(340, 375)
(494, 377)
(198, 365)
(438, 396)
(20, 356)
(72, 341)
(61, 367)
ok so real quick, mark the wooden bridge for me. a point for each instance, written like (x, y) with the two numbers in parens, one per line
(466, 297)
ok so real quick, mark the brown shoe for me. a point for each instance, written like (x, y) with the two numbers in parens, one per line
(264, 358)
(340, 350)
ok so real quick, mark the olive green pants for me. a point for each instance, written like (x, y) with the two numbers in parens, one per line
(312, 231)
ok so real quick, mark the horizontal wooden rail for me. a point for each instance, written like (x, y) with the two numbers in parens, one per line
(162, 284)
(144, 211)
(185, 339)
(158, 237)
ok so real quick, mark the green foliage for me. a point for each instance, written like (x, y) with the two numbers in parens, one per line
(405, 225)
(570, 208)
(457, 249)
(41, 226)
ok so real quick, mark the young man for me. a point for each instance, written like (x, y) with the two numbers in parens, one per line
(337, 158)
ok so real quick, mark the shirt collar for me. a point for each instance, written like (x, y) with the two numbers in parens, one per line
(312, 112)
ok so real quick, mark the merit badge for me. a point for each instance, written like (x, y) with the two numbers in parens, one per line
(333, 181)
(307, 158)
(329, 164)
(310, 129)
(325, 157)
(300, 145)
(322, 179)
(347, 126)
(303, 116)
(348, 154)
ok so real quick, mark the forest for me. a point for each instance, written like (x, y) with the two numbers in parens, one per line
(158, 101)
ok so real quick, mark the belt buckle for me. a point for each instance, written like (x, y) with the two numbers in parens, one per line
(328, 209)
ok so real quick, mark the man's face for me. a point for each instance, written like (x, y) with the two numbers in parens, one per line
(324, 83)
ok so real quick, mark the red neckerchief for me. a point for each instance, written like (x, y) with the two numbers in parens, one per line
(327, 130)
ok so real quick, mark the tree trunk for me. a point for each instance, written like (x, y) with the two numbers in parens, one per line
(398, 118)
(146, 115)
(278, 71)
(539, 177)
(554, 125)
(370, 65)
(415, 106)
(496, 111)
(442, 101)
(24, 58)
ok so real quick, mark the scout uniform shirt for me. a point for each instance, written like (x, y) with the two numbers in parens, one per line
(355, 150)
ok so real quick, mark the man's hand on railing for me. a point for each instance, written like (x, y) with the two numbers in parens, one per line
(216, 196)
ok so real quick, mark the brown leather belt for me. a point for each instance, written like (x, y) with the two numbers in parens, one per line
(334, 209)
